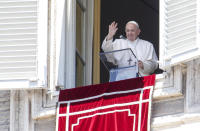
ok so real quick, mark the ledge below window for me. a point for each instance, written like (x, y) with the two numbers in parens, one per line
(21, 84)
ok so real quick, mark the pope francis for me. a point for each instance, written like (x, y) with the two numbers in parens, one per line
(143, 50)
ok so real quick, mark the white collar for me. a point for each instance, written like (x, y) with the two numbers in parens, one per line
(133, 42)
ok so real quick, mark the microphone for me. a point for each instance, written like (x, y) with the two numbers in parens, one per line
(122, 37)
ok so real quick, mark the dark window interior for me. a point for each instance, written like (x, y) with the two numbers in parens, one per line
(145, 12)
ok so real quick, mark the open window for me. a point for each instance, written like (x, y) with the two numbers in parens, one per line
(80, 43)
(145, 12)
(73, 43)
(171, 25)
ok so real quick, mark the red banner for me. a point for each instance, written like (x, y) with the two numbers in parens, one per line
(115, 106)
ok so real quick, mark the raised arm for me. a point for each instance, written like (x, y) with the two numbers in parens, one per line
(107, 43)
(112, 30)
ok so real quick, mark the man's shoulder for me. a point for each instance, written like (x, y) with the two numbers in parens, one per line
(145, 42)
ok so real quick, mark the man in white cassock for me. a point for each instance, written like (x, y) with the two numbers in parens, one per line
(143, 50)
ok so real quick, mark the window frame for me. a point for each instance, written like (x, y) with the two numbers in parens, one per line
(78, 54)
(63, 41)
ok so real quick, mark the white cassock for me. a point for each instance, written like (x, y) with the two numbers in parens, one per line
(143, 50)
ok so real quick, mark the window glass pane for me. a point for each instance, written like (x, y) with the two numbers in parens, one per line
(79, 72)
(79, 15)
(79, 47)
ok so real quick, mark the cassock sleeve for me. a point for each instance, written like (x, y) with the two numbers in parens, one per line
(108, 46)
(150, 62)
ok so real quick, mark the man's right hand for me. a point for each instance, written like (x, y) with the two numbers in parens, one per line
(112, 30)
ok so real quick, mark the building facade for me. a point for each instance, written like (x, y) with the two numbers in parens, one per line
(48, 45)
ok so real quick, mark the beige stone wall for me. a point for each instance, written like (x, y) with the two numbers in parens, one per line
(4, 110)
(45, 125)
(179, 109)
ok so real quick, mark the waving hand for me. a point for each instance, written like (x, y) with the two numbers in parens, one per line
(112, 30)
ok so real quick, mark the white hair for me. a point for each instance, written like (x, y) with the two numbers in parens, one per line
(134, 22)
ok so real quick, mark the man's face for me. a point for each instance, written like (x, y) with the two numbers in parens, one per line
(132, 31)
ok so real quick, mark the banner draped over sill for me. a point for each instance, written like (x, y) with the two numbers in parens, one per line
(115, 106)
